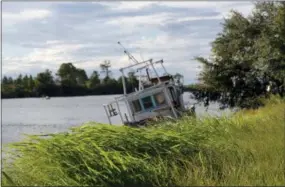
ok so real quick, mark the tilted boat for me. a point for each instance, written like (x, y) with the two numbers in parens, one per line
(156, 96)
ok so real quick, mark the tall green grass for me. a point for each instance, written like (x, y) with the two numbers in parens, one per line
(244, 149)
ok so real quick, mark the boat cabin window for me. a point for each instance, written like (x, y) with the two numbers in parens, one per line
(159, 98)
(137, 105)
(147, 102)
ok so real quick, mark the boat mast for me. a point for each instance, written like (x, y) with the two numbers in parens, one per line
(122, 70)
(128, 53)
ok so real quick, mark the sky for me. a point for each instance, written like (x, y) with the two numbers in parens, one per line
(42, 35)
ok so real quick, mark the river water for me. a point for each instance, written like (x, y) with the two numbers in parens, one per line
(41, 116)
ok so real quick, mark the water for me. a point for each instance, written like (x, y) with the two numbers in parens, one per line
(40, 116)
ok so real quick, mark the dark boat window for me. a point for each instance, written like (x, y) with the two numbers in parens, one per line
(147, 102)
(159, 98)
(137, 105)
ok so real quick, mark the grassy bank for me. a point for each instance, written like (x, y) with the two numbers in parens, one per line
(245, 149)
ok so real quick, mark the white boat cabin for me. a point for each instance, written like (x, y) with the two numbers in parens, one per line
(156, 96)
(159, 96)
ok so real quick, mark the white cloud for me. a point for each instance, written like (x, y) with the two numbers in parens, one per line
(132, 5)
(53, 42)
(142, 4)
(126, 5)
(129, 22)
(53, 55)
(196, 18)
(156, 19)
(191, 4)
(171, 49)
(47, 55)
(87, 40)
(223, 7)
(25, 15)
(168, 42)
(57, 52)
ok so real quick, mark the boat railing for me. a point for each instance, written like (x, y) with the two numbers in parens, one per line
(111, 110)
(147, 64)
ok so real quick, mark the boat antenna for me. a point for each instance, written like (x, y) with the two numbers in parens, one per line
(129, 54)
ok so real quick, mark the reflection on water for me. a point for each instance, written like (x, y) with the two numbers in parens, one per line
(40, 116)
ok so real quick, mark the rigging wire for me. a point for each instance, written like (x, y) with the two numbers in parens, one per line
(128, 53)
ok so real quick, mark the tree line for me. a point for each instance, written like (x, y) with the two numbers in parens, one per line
(69, 81)
(247, 61)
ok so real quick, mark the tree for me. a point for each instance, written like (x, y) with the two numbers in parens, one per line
(81, 77)
(7, 87)
(70, 81)
(10, 80)
(5, 81)
(44, 83)
(26, 82)
(31, 84)
(94, 80)
(67, 74)
(247, 57)
(19, 80)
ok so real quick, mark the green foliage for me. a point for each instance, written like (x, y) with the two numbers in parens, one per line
(244, 149)
(70, 81)
(94, 80)
(247, 57)
(69, 75)
(44, 83)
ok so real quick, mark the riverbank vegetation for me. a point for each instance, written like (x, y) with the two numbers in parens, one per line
(69, 81)
(244, 149)
(247, 60)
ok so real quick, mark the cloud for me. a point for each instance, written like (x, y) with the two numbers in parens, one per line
(143, 4)
(155, 19)
(37, 36)
(52, 55)
(196, 18)
(25, 15)
(135, 5)
(223, 7)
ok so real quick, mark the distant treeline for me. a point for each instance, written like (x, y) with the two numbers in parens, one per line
(69, 81)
